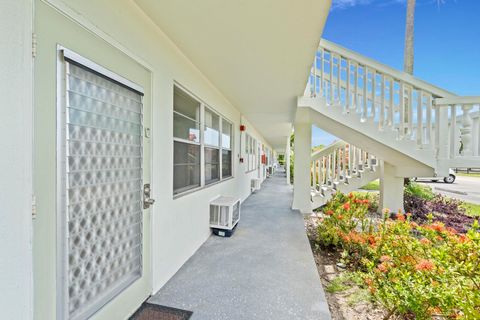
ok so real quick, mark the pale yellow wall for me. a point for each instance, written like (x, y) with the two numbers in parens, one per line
(179, 226)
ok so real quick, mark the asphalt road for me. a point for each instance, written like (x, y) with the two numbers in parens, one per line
(464, 188)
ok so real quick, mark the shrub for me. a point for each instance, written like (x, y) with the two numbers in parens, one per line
(415, 270)
(415, 189)
(421, 202)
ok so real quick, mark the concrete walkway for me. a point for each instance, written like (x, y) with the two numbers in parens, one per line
(264, 271)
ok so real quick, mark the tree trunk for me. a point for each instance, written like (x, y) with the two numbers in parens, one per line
(408, 56)
(409, 27)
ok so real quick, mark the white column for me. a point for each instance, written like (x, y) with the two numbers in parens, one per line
(16, 125)
(287, 160)
(301, 169)
(391, 188)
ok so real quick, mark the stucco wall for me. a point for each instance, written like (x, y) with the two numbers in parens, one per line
(178, 226)
(16, 159)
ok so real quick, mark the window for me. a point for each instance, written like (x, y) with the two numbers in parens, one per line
(197, 127)
(186, 145)
(226, 149)
(212, 146)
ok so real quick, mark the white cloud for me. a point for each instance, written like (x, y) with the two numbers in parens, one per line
(345, 4)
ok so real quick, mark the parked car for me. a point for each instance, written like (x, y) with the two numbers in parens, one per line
(448, 179)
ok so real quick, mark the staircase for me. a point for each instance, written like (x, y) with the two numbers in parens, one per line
(417, 127)
(340, 167)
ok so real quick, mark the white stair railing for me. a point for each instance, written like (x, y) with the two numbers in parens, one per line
(339, 164)
(457, 128)
(387, 98)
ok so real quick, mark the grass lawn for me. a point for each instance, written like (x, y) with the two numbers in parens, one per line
(464, 174)
(373, 185)
(472, 209)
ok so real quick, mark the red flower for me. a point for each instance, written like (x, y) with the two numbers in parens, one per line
(425, 265)
(346, 206)
(329, 212)
(350, 195)
(400, 217)
(340, 217)
(425, 241)
(365, 201)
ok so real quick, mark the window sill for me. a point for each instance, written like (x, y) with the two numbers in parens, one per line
(185, 193)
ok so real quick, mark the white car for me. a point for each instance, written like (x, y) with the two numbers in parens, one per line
(448, 179)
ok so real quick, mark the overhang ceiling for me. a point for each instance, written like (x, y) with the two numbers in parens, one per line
(258, 53)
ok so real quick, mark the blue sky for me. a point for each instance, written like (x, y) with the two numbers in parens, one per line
(447, 40)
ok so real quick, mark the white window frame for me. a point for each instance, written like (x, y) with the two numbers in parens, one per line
(203, 145)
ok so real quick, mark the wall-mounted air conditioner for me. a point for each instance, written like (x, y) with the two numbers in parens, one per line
(255, 184)
(224, 215)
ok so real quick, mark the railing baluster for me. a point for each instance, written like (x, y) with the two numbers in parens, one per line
(327, 175)
(419, 118)
(365, 93)
(466, 131)
(410, 113)
(476, 133)
(381, 121)
(402, 110)
(429, 121)
(347, 90)
(355, 99)
(339, 83)
(322, 84)
(374, 94)
(315, 76)
(339, 164)
(453, 131)
(331, 79)
(391, 108)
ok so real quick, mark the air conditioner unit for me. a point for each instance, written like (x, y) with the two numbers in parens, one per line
(224, 215)
(255, 184)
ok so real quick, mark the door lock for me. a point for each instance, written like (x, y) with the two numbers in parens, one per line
(147, 201)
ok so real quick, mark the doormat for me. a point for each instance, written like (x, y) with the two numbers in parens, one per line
(149, 311)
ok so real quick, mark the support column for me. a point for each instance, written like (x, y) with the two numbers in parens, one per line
(287, 160)
(301, 169)
(391, 188)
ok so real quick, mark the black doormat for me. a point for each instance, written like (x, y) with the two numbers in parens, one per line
(149, 311)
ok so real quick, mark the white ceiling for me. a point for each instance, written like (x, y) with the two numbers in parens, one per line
(257, 52)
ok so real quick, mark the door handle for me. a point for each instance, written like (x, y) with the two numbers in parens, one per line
(147, 201)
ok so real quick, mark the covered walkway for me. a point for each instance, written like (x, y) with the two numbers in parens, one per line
(264, 271)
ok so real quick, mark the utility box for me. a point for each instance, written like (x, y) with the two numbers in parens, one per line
(224, 215)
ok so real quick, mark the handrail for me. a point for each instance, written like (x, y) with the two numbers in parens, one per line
(392, 72)
(337, 163)
(457, 127)
(327, 150)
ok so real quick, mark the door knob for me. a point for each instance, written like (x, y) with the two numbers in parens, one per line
(147, 201)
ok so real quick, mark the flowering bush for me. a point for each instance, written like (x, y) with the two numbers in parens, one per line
(417, 271)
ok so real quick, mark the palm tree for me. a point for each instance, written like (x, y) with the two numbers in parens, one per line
(409, 28)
